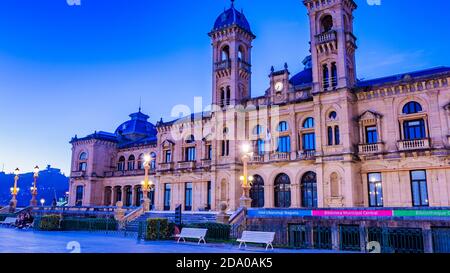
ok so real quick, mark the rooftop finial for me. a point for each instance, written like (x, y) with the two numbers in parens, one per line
(140, 104)
(232, 3)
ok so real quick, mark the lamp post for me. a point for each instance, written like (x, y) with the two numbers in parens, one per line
(42, 202)
(33, 189)
(246, 180)
(146, 184)
(14, 191)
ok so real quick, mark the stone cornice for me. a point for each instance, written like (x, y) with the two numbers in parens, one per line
(403, 87)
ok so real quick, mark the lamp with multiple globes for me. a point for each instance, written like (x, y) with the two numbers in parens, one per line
(245, 200)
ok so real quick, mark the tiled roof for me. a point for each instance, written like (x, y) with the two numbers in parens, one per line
(231, 17)
(404, 76)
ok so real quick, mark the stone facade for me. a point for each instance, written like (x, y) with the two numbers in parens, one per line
(321, 138)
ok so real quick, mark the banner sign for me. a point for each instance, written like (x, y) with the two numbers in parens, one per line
(288, 213)
(422, 213)
(352, 213)
(277, 213)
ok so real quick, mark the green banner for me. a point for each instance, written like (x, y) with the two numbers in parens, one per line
(422, 213)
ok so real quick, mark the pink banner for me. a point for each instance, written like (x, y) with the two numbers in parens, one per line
(353, 213)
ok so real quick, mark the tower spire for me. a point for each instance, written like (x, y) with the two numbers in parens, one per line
(232, 3)
(140, 104)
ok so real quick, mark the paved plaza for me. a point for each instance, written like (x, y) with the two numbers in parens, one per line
(28, 241)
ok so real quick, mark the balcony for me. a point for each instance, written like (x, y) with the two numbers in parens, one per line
(244, 66)
(371, 148)
(78, 174)
(277, 156)
(350, 38)
(206, 163)
(306, 155)
(163, 167)
(223, 65)
(415, 144)
(257, 159)
(186, 165)
(326, 37)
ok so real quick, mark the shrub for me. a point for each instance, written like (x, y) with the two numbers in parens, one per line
(90, 224)
(49, 222)
(216, 231)
(158, 229)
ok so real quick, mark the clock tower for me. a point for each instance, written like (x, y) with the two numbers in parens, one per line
(279, 85)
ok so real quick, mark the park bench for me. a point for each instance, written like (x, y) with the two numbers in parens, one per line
(257, 237)
(9, 221)
(192, 233)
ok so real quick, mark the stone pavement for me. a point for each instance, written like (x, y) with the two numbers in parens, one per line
(21, 241)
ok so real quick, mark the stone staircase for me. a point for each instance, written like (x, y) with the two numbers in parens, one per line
(186, 218)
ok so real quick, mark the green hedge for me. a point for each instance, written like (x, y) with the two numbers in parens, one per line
(89, 224)
(216, 231)
(49, 222)
(158, 229)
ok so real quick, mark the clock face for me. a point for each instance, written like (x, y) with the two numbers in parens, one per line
(279, 86)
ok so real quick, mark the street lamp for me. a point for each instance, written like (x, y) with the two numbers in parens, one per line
(14, 191)
(33, 189)
(246, 180)
(42, 202)
(146, 184)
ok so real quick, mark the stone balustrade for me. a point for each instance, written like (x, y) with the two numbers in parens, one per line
(415, 144)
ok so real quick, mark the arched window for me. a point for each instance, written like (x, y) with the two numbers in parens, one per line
(412, 107)
(228, 97)
(326, 76)
(309, 190)
(241, 53)
(337, 135)
(330, 135)
(282, 191)
(222, 97)
(153, 161)
(131, 162)
(332, 115)
(225, 53)
(190, 139)
(258, 130)
(308, 123)
(327, 23)
(83, 156)
(121, 164)
(283, 126)
(257, 192)
(82, 164)
(140, 163)
(308, 136)
(334, 76)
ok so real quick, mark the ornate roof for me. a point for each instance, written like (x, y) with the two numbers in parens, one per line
(231, 17)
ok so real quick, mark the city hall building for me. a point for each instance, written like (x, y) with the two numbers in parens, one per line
(321, 138)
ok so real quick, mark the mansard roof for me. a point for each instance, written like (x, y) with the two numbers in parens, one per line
(432, 72)
(97, 135)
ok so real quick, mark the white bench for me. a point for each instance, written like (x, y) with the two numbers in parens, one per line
(9, 221)
(192, 233)
(257, 237)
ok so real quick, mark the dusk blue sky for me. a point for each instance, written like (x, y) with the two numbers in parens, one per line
(67, 70)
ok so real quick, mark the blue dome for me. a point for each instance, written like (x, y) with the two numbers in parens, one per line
(136, 128)
(231, 17)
